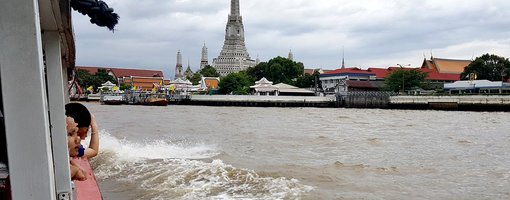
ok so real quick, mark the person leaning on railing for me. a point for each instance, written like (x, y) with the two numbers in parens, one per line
(85, 121)
(73, 145)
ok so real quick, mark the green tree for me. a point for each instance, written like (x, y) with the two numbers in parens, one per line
(195, 78)
(236, 83)
(278, 70)
(124, 86)
(308, 81)
(85, 79)
(488, 67)
(209, 71)
(409, 78)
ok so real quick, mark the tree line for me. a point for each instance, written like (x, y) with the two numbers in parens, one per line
(277, 70)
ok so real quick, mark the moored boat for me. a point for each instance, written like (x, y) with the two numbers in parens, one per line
(112, 99)
(156, 100)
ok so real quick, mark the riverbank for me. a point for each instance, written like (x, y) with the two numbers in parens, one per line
(379, 100)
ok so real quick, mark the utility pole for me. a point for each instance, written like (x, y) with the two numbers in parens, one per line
(403, 76)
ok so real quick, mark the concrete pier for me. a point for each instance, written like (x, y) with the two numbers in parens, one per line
(260, 101)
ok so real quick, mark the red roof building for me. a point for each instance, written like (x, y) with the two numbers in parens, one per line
(123, 72)
(372, 79)
(142, 79)
(433, 75)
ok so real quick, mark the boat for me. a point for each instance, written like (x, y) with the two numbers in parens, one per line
(37, 161)
(94, 97)
(156, 100)
(112, 99)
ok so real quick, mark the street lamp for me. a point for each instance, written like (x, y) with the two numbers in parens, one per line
(403, 76)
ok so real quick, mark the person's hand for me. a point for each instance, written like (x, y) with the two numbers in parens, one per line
(77, 173)
(81, 175)
(92, 119)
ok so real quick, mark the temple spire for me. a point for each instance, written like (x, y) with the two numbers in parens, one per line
(234, 56)
(343, 58)
(234, 8)
(291, 55)
(205, 60)
(178, 66)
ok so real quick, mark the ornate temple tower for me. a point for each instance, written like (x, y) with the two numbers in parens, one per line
(291, 55)
(234, 56)
(188, 72)
(205, 60)
(178, 66)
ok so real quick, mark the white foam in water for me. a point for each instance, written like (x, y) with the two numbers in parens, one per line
(153, 149)
(163, 170)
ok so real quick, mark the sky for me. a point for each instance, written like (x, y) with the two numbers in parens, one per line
(366, 33)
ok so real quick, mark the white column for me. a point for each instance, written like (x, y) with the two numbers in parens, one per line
(57, 101)
(25, 102)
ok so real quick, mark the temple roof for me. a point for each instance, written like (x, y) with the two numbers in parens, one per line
(263, 85)
(446, 65)
(263, 81)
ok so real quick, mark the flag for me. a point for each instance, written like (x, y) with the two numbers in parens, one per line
(472, 76)
(90, 89)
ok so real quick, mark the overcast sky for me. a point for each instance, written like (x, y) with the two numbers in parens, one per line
(374, 33)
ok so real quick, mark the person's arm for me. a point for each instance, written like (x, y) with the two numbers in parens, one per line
(77, 173)
(93, 148)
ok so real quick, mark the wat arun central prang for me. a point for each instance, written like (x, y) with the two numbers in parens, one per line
(234, 56)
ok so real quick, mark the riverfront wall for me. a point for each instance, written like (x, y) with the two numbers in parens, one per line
(382, 100)
(260, 101)
(472, 102)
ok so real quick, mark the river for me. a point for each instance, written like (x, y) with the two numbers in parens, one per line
(193, 152)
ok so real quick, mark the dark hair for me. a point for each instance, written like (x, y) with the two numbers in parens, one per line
(79, 113)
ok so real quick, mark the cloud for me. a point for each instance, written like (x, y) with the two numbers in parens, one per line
(374, 33)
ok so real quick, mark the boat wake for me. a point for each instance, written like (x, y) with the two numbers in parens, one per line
(162, 170)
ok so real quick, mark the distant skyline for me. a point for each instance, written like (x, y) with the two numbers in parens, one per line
(374, 33)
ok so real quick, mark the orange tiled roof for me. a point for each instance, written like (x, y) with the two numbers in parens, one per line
(449, 66)
(146, 80)
(212, 83)
(309, 71)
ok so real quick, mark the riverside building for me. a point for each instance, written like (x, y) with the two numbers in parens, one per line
(234, 56)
